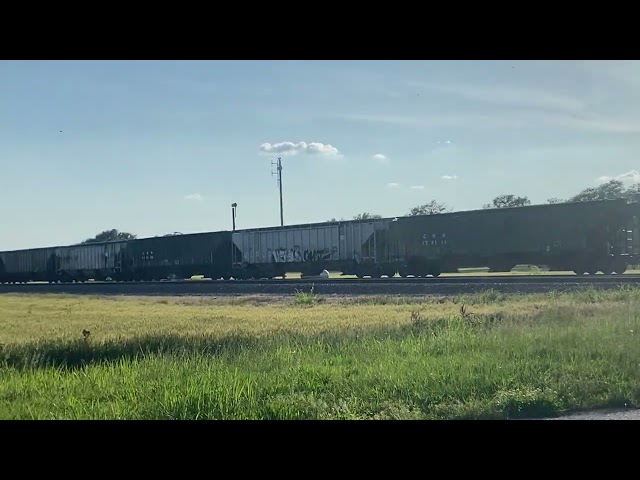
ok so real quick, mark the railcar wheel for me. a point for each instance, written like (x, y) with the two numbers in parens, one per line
(580, 269)
(620, 266)
(377, 273)
(435, 271)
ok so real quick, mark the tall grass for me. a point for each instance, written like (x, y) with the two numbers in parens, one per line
(464, 358)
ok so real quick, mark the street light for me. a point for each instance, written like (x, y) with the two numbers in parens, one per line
(233, 214)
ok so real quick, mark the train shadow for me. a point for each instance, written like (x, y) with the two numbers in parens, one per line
(76, 354)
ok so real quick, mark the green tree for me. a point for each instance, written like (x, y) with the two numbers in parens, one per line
(507, 201)
(555, 200)
(367, 216)
(431, 208)
(611, 190)
(110, 235)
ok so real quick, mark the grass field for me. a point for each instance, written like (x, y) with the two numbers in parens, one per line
(489, 355)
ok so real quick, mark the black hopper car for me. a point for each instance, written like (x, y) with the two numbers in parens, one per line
(585, 237)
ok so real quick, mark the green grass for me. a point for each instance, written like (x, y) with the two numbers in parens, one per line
(306, 356)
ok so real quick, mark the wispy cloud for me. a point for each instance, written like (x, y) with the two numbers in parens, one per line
(596, 123)
(393, 185)
(417, 187)
(380, 118)
(194, 197)
(442, 120)
(628, 178)
(449, 177)
(380, 158)
(507, 95)
(291, 148)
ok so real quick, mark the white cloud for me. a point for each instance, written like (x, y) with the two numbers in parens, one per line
(628, 178)
(380, 158)
(290, 148)
(393, 185)
(194, 196)
(446, 142)
(449, 177)
(417, 187)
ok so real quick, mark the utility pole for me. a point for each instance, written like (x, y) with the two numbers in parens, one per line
(278, 172)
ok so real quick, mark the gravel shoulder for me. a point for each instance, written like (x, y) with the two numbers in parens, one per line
(604, 414)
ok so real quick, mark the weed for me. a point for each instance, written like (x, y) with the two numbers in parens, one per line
(305, 298)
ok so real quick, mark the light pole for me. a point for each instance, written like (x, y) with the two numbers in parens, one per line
(280, 183)
(233, 214)
(278, 172)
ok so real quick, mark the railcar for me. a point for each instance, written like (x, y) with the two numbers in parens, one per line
(97, 261)
(24, 265)
(585, 237)
(179, 256)
(633, 231)
(352, 247)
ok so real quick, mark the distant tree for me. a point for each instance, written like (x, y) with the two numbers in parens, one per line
(611, 190)
(110, 235)
(506, 201)
(633, 193)
(555, 200)
(431, 208)
(367, 216)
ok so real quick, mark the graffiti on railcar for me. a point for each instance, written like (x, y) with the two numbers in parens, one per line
(296, 254)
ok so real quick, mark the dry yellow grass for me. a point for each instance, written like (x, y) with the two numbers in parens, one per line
(26, 318)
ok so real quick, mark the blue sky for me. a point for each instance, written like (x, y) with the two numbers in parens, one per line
(152, 147)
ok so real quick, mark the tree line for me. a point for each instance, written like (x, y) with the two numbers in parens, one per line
(611, 190)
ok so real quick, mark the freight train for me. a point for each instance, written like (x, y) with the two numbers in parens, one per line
(585, 237)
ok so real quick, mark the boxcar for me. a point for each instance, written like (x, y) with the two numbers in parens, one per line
(179, 256)
(353, 247)
(582, 236)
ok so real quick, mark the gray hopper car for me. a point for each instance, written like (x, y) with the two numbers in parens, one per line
(354, 248)
(66, 263)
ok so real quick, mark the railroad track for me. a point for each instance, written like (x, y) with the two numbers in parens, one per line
(338, 286)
